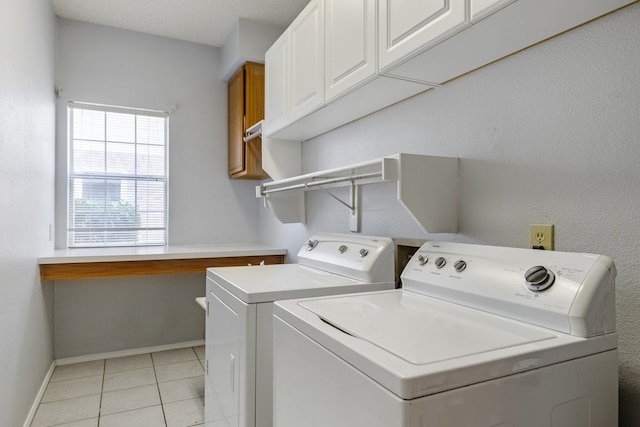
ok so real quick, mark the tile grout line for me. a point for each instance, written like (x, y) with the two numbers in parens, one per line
(104, 373)
(155, 375)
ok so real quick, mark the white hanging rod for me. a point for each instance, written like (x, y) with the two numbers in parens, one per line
(252, 136)
(253, 132)
(327, 181)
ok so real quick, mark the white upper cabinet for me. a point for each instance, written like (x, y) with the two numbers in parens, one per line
(343, 59)
(350, 44)
(406, 26)
(306, 37)
(480, 9)
(324, 71)
(276, 84)
(294, 70)
(497, 28)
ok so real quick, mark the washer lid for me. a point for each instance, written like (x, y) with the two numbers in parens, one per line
(402, 324)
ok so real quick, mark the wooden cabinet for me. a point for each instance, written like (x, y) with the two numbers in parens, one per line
(245, 108)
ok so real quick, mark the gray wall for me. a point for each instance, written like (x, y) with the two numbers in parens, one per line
(27, 32)
(550, 135)
(115, 67)
(109, 66)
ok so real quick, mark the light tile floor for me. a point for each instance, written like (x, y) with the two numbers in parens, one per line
(163, 389)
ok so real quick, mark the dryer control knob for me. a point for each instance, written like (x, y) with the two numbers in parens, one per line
(539, 278)
(422, 260)
(342, 249)
(440, 262)
(364, 252)
(460, 265)
(311, 244)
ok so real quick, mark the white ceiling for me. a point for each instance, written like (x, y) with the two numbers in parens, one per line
(200, 21)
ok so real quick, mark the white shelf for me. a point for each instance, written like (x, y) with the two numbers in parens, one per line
(427, 186)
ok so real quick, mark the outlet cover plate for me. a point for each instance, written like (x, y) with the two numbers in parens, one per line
(541, 236)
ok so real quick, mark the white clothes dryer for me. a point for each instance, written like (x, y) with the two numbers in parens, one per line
(479, 336)
(239, 323)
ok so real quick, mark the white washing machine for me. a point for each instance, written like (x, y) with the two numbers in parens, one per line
(478, 336)
(239, 325)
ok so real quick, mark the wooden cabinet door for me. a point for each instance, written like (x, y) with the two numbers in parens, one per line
(350, 51)
(306, 38)
(235, 105)
(409, 26)
(246, 108)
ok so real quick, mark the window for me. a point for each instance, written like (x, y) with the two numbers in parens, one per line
(117, 174)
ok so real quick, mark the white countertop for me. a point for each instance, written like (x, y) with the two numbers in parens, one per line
(148, 253)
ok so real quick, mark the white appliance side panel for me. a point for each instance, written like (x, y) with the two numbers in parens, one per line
(264, 364)
(576, 393)
(230, 353)
(314, 388)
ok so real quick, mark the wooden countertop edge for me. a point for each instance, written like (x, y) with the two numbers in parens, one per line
(84, 270)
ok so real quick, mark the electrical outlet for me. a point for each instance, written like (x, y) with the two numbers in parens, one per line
(541, 236)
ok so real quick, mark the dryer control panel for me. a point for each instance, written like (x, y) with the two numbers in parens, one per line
(571, 293)
(366, 258)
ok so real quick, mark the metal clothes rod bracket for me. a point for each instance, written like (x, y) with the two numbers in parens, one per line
(354, 207)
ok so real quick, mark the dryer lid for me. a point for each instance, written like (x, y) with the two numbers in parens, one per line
(401, 323)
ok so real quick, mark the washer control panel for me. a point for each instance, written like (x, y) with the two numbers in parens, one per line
(546, 288)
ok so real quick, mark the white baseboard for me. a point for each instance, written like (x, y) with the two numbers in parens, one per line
(123, 353)
(43, 388)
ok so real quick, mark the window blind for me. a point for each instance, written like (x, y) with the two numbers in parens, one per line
(117, 172)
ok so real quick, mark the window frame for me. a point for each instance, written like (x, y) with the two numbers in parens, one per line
(72, 175)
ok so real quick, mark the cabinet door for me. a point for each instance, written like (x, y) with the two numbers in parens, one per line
(306, 38)
(253, 113)
(245, 108)
(235, 123)
(350, 51)
(409, 26)
(480, 9)
(276, 90)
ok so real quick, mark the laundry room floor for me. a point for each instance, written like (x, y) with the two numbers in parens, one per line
(163, 389)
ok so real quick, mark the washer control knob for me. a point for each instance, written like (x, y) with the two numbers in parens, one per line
(311, 244)
(460, 265)
(364, 252)
(440, 262)
(422, 260)
(342, 249)
(539, 278)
